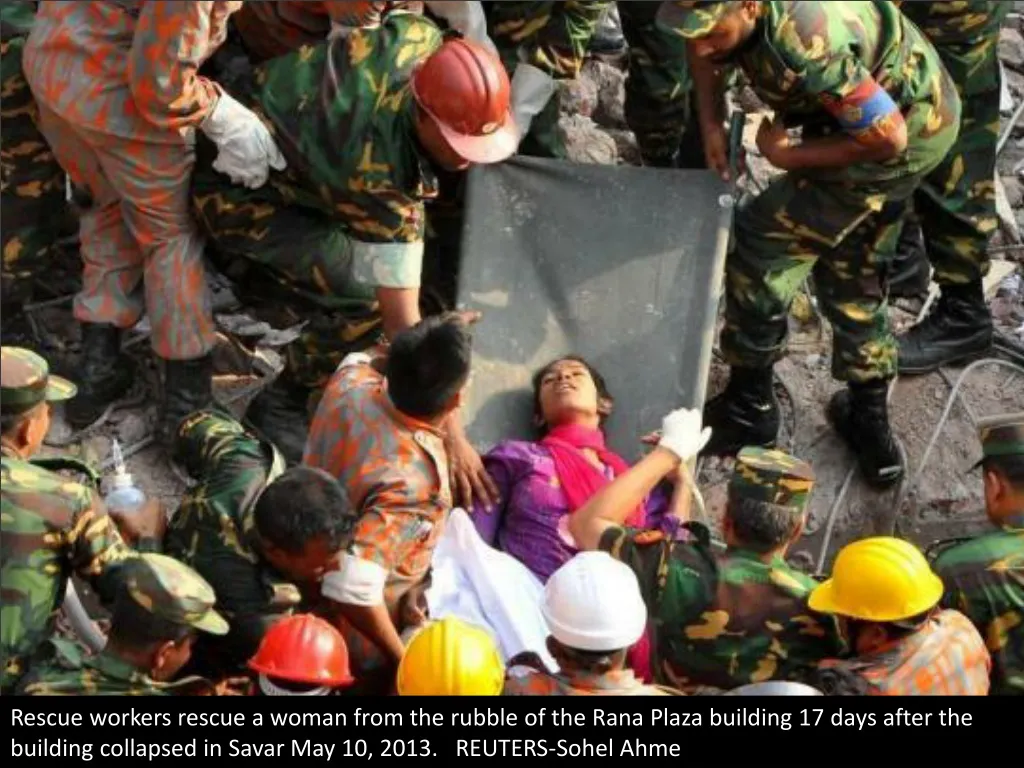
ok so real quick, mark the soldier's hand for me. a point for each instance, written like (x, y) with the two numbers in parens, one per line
(716, 150)
(469, 478)
(773, 141)
(148, 522)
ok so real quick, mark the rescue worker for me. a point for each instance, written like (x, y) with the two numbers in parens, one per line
(721, 619)
(270, 29)
(159, 610)
(595, 613)
(120, 102)
(984, 578)
(450, 657)
(956, 204)
(545, 42)
(32, 184)
(261, 534)
(380, 430)
(901, 643)
(364, 122)
(301, 655)
(879, 113)
(51, 526)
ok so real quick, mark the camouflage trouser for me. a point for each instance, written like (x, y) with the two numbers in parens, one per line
(32, 186)
(291, 265)
(659, 109)
(554, 37)
(957, 202)
(798, 227)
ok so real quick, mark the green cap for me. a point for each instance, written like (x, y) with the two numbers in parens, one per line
(174, 592)
(772, 476)
(26, 382)
(692, 18)
(1001, 436)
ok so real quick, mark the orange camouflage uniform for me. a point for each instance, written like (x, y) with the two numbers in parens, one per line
(119, 100)
(945, 658)
(395, 470)
(621, 682)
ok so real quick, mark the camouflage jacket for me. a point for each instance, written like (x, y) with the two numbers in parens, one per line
(966, 35)
(554, 37)
(16, 19)
(984, 580)
(103, 675)
(51, 527)
(213, 529)
(722, 620)
(806, 60)
(342, 113)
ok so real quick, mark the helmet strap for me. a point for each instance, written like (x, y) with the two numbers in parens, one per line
(268, 688)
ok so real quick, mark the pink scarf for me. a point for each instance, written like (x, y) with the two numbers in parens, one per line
(580, 479)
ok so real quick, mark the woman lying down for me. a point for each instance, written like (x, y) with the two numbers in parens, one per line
(541, 483)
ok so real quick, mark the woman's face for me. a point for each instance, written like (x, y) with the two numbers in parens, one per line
(567, 393)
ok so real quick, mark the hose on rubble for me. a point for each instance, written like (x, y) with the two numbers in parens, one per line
(86, 629)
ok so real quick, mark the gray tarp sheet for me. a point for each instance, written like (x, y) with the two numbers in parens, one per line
(622, 265)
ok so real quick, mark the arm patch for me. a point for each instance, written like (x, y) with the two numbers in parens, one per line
(868, 106)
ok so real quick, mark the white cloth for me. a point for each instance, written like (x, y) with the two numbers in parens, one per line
(480, 585)
(355, 582)
(466, 18)
(532, 89)
(246, 150)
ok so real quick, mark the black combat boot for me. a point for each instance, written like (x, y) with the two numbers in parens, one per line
(746, 414)
(911, 272)
(860, 416)
(105, 374)
(188, 387)
(279, 414)
(958, 329)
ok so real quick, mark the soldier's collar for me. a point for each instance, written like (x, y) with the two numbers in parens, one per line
(116, 667)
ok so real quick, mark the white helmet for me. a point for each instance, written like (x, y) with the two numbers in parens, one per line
(593, 603)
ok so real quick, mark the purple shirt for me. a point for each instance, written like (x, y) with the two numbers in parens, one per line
(530, 521)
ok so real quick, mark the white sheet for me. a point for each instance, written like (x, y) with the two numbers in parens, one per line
(478, 584)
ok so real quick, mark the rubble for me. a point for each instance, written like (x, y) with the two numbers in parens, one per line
(585, 142)
(1011, 48)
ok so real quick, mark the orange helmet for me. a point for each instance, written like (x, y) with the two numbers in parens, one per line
(303, 649)
(465, 90)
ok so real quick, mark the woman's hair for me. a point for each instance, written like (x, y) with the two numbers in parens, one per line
(599, 383)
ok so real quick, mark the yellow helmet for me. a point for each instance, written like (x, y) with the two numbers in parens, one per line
(451, 658)
(878, 579)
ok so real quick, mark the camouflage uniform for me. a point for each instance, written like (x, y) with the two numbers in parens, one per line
(984, 578)
(347, 215)
(32, 182)
(957, 201)
(725, 620)
(816, 64)
(165, 588)
(50, 527)
(554, 37)
(213, 531)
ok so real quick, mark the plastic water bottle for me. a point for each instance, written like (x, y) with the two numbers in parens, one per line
(124, 495)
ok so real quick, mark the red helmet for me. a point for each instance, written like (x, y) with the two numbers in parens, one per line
(303, 649)
(465, 90)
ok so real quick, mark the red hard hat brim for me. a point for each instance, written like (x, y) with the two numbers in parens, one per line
(492, 148)
(330, 682)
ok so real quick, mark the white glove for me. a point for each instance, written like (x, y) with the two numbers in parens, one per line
(681, 433)
(532, 89)
(247, 150)
(466, 18)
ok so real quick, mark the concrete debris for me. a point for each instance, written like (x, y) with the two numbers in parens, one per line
(577, 97)
(625, 143)
(1011, 48)
(132, 428)
(585, 142)
(611, 94)
(1006, 213)
(1014, 187)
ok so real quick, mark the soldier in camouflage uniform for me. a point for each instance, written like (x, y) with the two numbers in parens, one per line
(879, 113)
(984, 578)
(336, 241)
(719, 619)
(555, 38)
(956, 204)
(161, 607)
(32, 182)
(51, 526)
(259, 533)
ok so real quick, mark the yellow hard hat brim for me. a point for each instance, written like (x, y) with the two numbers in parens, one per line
(824, 600)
